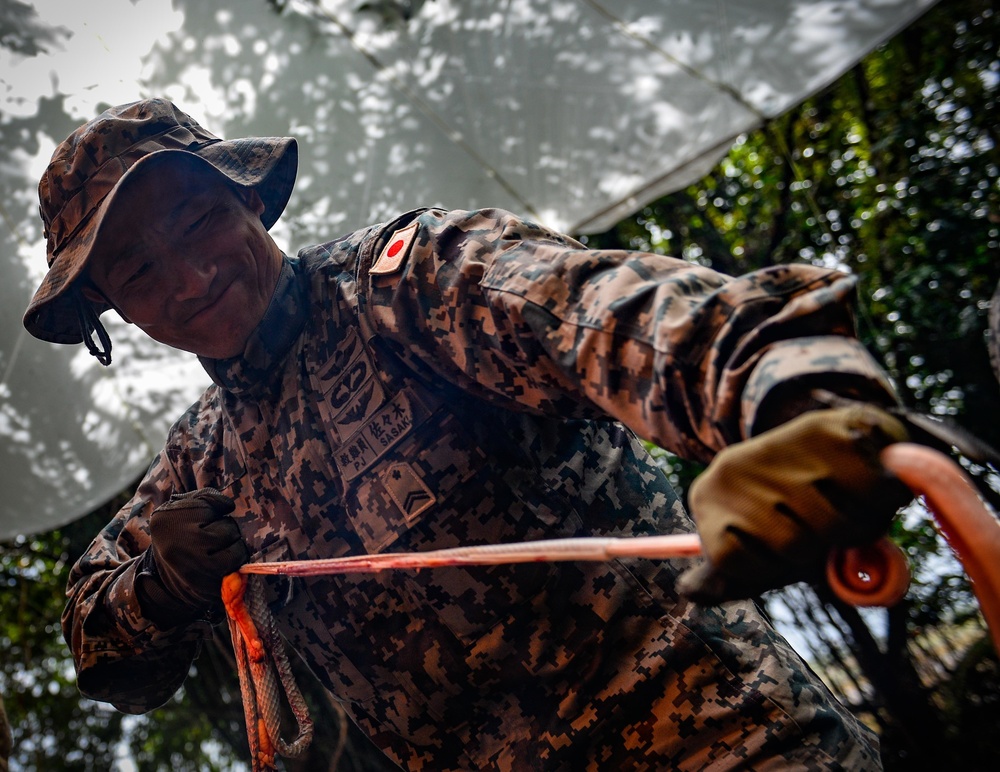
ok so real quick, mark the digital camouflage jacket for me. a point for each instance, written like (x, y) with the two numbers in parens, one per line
(461, 378)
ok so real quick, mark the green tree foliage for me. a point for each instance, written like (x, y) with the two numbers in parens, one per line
(200, 729)
(51, 724)
(890, 174)
(54, 728)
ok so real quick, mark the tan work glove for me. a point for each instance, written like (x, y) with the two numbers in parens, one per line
(769, 509)
(193, 544)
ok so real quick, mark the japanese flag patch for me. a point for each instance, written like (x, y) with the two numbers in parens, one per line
(395, 251)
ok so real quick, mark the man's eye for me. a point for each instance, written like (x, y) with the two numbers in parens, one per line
(199, 222)
(138, 274)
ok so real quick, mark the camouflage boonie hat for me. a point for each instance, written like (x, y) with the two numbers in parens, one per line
(79, 186)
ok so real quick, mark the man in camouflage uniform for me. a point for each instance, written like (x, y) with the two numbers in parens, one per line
(463, 378)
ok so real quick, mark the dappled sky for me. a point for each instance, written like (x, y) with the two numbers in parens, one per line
(574, 112)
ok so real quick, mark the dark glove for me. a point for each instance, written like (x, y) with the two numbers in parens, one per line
(193, 544)
(769, 509)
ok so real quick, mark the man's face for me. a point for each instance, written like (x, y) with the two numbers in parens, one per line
(185, 257)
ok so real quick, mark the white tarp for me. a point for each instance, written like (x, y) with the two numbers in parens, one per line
(571, 111)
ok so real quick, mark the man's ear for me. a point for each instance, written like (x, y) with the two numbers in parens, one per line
(253, 201)
(93, 296)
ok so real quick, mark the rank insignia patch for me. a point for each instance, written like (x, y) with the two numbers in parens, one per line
(407, 490)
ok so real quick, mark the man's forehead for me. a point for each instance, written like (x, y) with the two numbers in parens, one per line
(170, 180)
(159, 198)
(150, 205)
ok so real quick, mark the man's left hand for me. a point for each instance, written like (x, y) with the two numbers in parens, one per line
(769, 509)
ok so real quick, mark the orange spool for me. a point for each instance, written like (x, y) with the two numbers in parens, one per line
(876, 574)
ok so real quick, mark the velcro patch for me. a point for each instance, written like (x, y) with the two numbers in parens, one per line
(395, 251)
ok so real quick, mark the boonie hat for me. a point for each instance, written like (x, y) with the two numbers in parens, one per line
(88, 169)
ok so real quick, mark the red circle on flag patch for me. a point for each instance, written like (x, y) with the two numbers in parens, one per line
(394, 249)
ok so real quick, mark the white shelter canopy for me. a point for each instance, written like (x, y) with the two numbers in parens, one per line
(574, 112)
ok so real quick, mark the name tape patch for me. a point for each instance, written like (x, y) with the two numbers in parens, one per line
(384, 429)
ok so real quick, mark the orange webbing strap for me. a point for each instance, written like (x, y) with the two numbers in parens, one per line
(971, 529)
(264, 671)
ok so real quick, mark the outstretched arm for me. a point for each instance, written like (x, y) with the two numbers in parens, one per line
(686, 357)
(697, 362)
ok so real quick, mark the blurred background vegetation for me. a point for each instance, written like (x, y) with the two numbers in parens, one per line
(892, 173)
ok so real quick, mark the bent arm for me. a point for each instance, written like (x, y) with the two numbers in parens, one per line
(686, 357)
(121, 656)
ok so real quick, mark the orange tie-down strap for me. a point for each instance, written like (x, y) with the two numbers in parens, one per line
(966, 523)
(265, 674)
(873, 575)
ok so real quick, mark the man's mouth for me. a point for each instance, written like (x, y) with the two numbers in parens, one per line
(207, 308)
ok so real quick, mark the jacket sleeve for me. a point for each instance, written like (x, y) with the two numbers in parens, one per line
(686, 357)
(121, 657)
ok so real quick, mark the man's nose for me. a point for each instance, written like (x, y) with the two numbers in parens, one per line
(193, 275)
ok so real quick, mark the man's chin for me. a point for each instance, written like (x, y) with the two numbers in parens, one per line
(214, 347)
(220, 353)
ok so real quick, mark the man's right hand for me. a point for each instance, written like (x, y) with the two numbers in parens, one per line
(193, 544)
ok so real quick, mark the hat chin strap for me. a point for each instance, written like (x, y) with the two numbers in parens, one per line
(90, 322)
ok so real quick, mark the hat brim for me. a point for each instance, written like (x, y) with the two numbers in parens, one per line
(265, 164)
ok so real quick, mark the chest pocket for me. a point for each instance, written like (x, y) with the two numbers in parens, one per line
(375, 431)
(415, 479)
(311, 615)
(401, 467)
